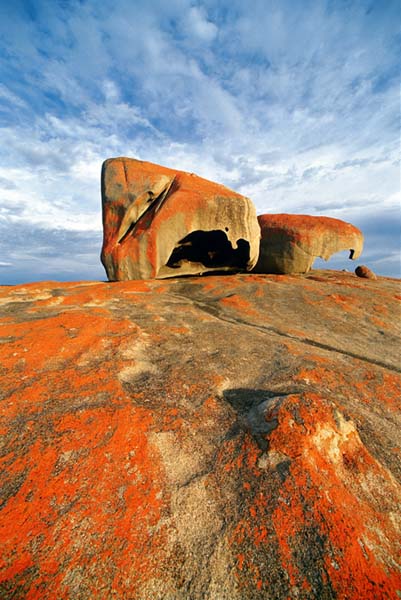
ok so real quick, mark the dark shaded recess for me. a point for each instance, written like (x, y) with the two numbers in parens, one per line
(154, 205)
(212, 249)
(252, 406)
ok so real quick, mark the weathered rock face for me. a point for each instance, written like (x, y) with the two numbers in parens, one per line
(363, 271)
(291, 243)
(218, 438)
(160, 223)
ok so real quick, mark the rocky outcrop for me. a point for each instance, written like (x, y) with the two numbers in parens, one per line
(218, 438)
(159, 222)
(291, 243)
(365, 272)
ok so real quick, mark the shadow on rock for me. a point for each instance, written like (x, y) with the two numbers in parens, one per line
(257, 411)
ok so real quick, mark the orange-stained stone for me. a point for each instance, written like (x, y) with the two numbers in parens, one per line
(160, 222)
(363, 271)
(290, 243)
(210, 437)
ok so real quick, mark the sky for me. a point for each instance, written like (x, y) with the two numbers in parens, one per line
(293, 103)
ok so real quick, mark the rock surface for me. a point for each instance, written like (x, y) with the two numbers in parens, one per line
(365, 272)
(159, 222)
(291, 243)
(218, 438)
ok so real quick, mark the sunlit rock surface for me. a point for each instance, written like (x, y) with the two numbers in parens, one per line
(291, 243)
(159, 222)
(223, 437)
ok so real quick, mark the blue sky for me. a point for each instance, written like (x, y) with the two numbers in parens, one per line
(293, 103)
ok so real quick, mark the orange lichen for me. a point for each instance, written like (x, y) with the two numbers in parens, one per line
(290, 243)
(127, 468)
(157, 209)
(238, 303)
(336, 512)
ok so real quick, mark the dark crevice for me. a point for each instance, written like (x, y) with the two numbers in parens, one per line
(125, 174)
(213, 309)
(127, 233)
(154, 204)
(211, 248)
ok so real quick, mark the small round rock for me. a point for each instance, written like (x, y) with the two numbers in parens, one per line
(363, 271)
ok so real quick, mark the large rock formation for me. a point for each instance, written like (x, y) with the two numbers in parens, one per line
(291, 243)
(214, 438)
(159, 222)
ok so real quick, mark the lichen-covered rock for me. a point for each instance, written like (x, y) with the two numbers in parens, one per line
(365, 272)
(211, 438)
(291, 243)
(159, 222)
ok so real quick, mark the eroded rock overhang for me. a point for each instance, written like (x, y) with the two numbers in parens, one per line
(291, 243)
(159, 222)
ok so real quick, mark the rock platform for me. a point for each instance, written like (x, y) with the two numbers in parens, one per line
(219, 437)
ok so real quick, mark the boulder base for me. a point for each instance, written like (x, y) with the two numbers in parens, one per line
(211, 438)
(159, 222)
(291, 243)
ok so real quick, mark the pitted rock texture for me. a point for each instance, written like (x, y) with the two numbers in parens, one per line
(159, 223)
(219, 438)
(291, 243)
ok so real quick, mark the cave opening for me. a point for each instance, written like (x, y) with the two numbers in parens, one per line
(211, 248)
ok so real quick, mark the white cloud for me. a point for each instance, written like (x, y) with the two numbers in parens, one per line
(12, 99)
(294, 105)
(196, 24)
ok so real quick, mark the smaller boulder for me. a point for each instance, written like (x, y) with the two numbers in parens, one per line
(363, 271)
(291, 243)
